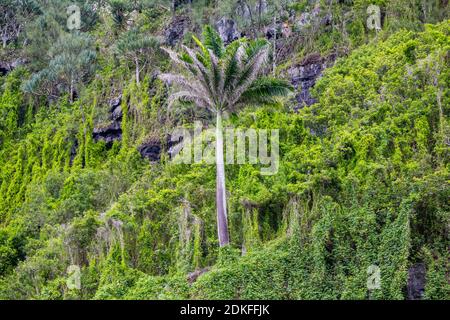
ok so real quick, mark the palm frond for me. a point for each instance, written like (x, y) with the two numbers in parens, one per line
(212, 41)
(202, 69)
(204, 57)
(175, 57)
(265, 90)
(187, 96)
(216, 76)
(191, 85)
(232, 63)
(203, 72)
(253, 47)
(252, 69)
(225, 78)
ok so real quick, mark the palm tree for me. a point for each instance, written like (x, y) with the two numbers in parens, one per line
(223, 79)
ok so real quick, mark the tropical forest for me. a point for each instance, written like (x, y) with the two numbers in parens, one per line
(224, 149)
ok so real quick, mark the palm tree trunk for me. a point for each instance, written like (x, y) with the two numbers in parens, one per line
(222, 223)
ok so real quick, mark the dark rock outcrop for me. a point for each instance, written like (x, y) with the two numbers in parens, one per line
(304, 77)
(116, 111)
(281, 30)
(4, 69)
(109, 134)
(416, 281)
(247, 12)
(227, 29)
(312, 18)
(113, 131)
(153, 148)
(176, 30)
(178, 3)
(8, 66)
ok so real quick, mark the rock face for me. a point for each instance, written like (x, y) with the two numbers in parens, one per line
(178, 3)
(113, 131)
(153, 148)
(248, 12)
(176, 30)
(261, 7)
(4, 68)
(8, 66)
(304, 77)
(281, 30)
(228, 30)
(109, 134)
(314, 18)
(416, 281)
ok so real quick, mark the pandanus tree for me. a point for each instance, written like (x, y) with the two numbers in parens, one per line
(137, 47)
(223, 79)
(72, 64)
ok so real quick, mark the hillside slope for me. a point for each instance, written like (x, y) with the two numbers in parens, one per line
(363, 180)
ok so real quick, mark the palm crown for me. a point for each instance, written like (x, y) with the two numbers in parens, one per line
(224, 78)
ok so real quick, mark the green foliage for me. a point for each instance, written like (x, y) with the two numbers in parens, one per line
(363, 177)
(12, 110)
(256, 276)
(160, 288)
(137, 47)
(222, 80)
(72, 62)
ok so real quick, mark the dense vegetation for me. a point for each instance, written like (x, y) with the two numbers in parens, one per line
(363, 177)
